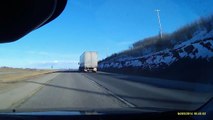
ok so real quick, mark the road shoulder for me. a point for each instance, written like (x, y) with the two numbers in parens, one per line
(17, 92)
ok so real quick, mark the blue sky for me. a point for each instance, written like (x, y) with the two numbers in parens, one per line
(105, 26)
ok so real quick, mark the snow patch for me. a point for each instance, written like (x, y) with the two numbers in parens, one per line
(200, 46)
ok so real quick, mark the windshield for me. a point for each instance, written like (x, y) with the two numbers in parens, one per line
(149, 55)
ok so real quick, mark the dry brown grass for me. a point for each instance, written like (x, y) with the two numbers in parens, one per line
(16, 74)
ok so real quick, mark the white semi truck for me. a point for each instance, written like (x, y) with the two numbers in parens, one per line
(88, 61)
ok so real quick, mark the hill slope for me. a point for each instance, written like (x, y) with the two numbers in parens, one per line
(189, 58)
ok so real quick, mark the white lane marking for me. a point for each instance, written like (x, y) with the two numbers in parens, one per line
(110, 92)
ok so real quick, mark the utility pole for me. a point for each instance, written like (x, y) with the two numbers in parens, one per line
(158, 15)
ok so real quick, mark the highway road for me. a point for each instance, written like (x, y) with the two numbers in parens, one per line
(74, 90)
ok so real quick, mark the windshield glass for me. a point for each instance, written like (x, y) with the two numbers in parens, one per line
(149, 55)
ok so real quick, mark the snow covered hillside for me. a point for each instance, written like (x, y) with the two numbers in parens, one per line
(199, 47)
(186, 60)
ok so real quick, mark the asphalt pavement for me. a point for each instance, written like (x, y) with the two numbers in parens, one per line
(74, 90)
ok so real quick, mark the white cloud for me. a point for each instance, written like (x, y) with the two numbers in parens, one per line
(56, 64)
(52, 55)
(38, 52)
(124, 43)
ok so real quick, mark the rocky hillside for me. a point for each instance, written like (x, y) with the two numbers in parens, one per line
(190, 60)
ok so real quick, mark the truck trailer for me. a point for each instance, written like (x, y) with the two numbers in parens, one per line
(88, 61)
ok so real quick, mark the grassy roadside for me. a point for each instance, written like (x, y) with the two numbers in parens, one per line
(17, 74)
